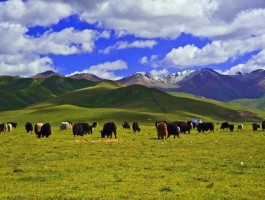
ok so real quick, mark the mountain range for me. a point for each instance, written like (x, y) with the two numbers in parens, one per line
(60, 96)
(205, 82)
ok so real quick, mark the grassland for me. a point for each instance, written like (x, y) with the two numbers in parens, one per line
(220, 165)
(135, 166)
(254, 103)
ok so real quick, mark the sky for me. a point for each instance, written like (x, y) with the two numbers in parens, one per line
(116, 38)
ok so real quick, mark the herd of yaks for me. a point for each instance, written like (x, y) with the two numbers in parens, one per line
(164, 129)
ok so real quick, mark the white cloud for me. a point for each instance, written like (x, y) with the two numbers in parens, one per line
(144, 60)
(34, 12)
(106, 70)
(213, 53)
(229, 24)
(24, 65)
(66, 42)
(148, 18)
(15, 44)
(126, 45)
(152, 61)
(159, 72)
(169, 18)
(13, 38)
(256, 62)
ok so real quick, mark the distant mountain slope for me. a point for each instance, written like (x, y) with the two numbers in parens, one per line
(206, 82)
(46, 74)
(210, 84)
(144, 78)
(254, 103)
(90, 77)
(139, 98)
(20, 92)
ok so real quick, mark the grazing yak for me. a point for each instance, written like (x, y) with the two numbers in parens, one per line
(240, 127)
(205, 126)
(14, 124)
(66, 126)
(45, 130)
(231, 127)
(9, 127)
(156, 123)
(82, 128)
(184, 126)
(3, 127)
(28, 127)
(108, 129)
(190, 124)
(126, 125)
(42, 130)
(173, 129)
(135, 127)
(78, 130)
(255, 126)
(263, 125)
(162, 132)
(224, 126)
(37, 128)
(87, 129)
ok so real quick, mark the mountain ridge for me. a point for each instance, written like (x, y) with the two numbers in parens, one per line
(206, 82)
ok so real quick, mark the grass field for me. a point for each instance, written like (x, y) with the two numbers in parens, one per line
(135, 166)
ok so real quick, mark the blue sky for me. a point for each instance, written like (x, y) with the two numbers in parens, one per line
(115, 38)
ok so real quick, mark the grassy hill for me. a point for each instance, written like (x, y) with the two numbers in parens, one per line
(19, 92)
(254, 103)
(109, 101)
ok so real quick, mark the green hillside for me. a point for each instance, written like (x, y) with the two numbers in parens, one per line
(57, 98)
(254, 103)
(19, 92)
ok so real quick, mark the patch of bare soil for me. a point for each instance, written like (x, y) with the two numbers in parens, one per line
(242, 113)
(247, 114)
(100, 140)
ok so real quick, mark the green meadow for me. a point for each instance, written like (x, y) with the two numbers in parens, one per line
(219, 165)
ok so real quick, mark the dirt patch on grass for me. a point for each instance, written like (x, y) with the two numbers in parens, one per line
(100, 140)
(244, 114)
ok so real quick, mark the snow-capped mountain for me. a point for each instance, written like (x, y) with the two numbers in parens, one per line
(147, 79)
(205, 82)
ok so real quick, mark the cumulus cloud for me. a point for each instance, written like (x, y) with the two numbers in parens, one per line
(146, 18)
(66, 42)
(127, 45)
(34, 12)
(256, 62)
(152, 61)
(159, 72)
(106, 70)
(229, 25)
(213, 53)
(24, 65)
(15, 43)
(144, 60)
